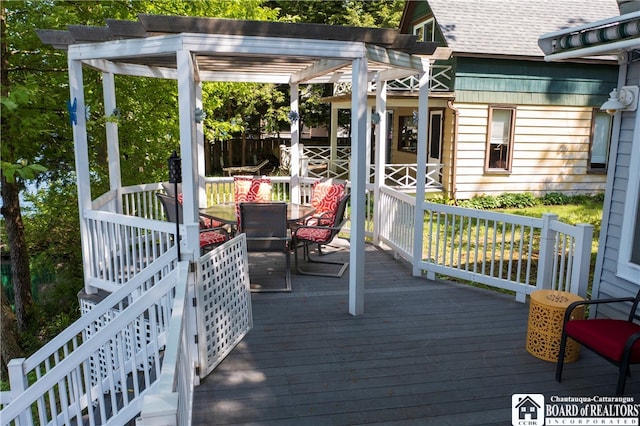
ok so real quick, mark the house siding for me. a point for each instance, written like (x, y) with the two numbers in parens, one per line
(551, 152)
(606, 282)
(532, 82)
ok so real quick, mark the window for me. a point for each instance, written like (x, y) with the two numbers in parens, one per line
(425, 30)
(629, 254)
(600, 140)
(500, 139)
(408, 136)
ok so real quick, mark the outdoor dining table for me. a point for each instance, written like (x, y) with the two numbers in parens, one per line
(226, 213)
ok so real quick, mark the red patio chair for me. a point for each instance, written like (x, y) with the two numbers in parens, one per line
(321, 231)
(250, 189)
(209, 237)
(325, 196)
(616, 340)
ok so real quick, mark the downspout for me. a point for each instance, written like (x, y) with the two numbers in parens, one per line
(454, 149)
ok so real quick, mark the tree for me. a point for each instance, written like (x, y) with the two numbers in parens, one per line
(357, 13)
(37, 143)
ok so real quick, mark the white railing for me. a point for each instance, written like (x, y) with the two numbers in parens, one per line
(506, 251)
(98, 369)
(223, 312)
(121, 246)
(171, 401)
(440, 81)
(315, 163)
(396, 229)
(403, 176)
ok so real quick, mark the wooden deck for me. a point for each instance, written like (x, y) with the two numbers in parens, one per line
(423, 353)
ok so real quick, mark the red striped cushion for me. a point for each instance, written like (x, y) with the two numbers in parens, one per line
(313, 234)
(211, 237)
(326, 195)
(249, 189)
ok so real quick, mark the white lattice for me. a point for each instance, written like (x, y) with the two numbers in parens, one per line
(224, 301)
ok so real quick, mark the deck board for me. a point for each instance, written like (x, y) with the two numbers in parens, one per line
(424, 352)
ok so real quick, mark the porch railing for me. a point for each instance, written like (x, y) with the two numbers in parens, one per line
(500, 250)
(99, 368)
(315, 162)
(505, 251)
(121, 246)
(440, 81)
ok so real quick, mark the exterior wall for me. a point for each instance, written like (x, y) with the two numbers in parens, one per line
(550, 153)
(606, 283)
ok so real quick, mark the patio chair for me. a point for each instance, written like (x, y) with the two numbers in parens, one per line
(209, 237)
(170, 191)
(325, 196)
(265, 227)
(616, 340)
(321, 231)
(250, 189)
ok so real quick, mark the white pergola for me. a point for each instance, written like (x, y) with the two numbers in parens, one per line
(195, 50)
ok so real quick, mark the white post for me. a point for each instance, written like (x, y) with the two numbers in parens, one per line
(18, 383)
(381, 149)
(333, 138)
(546, 259)
(159, 409)
(294, 169)
(81, 152)
(188, 152)
(113, 147)
(358, 176)
(202, 194)
(423, 121)
(581, 260)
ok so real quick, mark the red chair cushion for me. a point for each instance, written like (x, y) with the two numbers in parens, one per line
(326, 195)
(248, 189)
(208, 238)
(605, 336)
(313, 234)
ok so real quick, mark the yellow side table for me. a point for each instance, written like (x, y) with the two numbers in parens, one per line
(546, 317)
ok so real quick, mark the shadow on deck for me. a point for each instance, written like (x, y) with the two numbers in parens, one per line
(424, 352)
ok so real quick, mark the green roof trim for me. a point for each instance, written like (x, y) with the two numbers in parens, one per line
(533, 82)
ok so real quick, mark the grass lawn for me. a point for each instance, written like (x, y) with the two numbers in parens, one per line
(588, 211)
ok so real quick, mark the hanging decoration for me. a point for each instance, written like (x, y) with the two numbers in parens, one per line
(199, 115)
(415, 117)
(72, 107)
(293, 116)
(375, 118)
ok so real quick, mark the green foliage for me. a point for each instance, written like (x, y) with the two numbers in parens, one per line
(359, 13)
(518, 200)
(22, 170)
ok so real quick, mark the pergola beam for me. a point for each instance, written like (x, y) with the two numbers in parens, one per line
(319, 68)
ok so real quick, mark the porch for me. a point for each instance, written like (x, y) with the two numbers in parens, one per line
(424, 352)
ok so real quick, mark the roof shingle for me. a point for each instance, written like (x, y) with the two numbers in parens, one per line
(512, 27)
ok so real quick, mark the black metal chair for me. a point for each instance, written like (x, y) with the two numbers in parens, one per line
(320, 230)
(265, 227)
(616, 340)
(209, 237)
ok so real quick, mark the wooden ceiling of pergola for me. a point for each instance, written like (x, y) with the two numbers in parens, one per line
(385, 45)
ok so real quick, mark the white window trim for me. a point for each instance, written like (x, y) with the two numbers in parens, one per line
(424, 24)
(626, 269)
